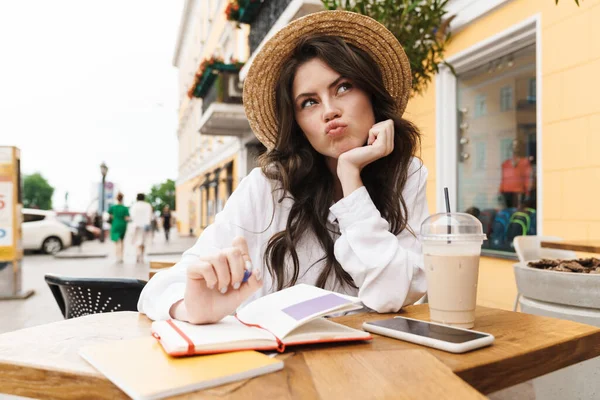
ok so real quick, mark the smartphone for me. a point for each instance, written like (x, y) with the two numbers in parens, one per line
(438, 336)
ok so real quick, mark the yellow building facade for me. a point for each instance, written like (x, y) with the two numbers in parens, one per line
(522, 104)
(562, 39)
(209, 154)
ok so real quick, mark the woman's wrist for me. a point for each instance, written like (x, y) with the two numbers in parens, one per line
(349, 176)
(178, 311)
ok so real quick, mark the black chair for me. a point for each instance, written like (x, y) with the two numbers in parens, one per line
(77, 297)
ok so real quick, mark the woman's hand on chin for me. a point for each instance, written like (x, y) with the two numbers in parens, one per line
(350, 163)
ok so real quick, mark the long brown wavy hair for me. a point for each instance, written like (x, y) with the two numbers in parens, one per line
(301, 172)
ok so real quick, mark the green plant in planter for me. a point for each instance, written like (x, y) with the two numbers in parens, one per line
(242, 11)
(208, 72)
(421, 26)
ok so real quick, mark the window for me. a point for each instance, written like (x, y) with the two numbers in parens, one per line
(506, 150)
(532, 90)
(497, 182)
(211, 211)
(480, 156)
(506, 98)
(32, 217)
(203, 207)
(480, 106)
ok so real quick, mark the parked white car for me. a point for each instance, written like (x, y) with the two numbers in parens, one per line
(43, 231)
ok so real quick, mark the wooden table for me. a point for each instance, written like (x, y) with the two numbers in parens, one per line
(160, 262)
(43, 361)
(587, 246)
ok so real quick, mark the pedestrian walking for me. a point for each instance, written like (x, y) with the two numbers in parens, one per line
(339, 197)
(141, 218)
(118, 227)
(166, 221)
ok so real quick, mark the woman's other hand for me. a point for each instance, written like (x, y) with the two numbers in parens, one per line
(214, 287)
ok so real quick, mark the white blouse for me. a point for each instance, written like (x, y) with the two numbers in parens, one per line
(387, 269)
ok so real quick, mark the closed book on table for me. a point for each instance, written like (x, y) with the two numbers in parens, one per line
(141, 368)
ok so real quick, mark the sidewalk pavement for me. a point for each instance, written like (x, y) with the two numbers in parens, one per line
(158, 246)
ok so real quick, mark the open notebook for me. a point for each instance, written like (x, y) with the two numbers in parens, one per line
(288, 317)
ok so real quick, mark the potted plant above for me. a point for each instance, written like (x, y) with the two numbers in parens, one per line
(207, 74)
(242, 11)
(421, 26)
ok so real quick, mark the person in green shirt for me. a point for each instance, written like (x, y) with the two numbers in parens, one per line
(118, 227)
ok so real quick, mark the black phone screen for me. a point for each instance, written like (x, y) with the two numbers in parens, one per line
(420, 328)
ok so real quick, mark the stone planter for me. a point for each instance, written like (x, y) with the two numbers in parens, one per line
(574, 289)
(563, 295)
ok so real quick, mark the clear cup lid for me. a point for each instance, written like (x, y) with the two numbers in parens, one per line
(452, 226)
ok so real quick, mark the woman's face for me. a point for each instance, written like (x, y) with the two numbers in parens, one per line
(334, 114)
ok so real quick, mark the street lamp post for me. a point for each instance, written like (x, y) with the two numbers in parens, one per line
(103, 171)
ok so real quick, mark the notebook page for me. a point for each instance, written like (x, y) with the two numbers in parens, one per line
(211, 336)
(324, 329)
(283, 311)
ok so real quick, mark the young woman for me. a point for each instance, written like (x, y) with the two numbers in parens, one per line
(141, 218)
(339, 198)
(118, 227)
(166, 221)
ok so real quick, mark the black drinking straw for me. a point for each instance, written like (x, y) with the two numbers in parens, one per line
(448, 210)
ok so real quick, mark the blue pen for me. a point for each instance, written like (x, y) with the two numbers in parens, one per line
(247, 275)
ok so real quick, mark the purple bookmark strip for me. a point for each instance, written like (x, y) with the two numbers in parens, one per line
(314, 306)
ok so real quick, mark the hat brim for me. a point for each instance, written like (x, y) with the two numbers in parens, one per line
(359, 30)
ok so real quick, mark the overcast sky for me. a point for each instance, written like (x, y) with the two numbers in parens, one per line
(83, 82)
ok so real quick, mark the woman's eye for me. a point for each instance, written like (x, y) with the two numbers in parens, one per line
(344, 87)
(307, 103)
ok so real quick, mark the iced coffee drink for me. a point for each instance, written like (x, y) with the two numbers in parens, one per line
(451, 250)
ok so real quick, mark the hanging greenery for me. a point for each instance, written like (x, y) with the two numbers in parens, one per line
(242, 11)
(421, 26)
(207, 74)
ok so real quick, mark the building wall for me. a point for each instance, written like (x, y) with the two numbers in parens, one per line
(569, 128)
(185, 204)
(207, 33)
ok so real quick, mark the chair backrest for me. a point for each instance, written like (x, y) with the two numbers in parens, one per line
(528, 248)
(82, 296)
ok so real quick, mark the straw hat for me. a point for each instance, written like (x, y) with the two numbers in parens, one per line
(361, 31)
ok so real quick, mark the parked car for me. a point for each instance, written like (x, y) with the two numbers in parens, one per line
(74, 218)
(43, 231)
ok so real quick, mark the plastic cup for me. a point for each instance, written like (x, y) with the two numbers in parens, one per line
(451, 250)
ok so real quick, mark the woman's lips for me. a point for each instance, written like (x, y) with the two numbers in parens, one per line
(335, 127)
(336, 131)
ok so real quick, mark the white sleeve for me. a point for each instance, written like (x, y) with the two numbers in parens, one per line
(246, 213)
(387, 269)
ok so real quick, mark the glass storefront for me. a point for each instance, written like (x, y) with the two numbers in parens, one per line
(497, 165)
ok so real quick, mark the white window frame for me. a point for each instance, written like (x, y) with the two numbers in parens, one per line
(507, 93)
(467, 11)
(524, 33)
(480, 109)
